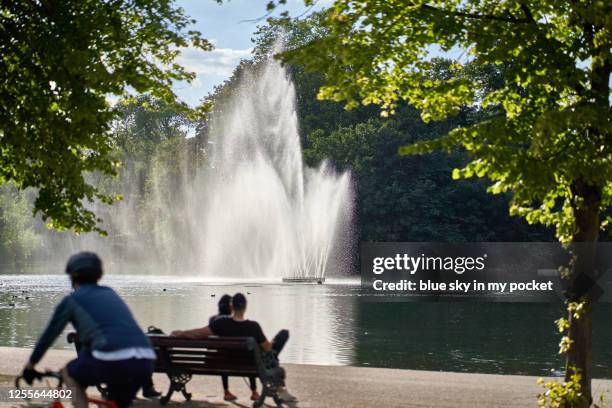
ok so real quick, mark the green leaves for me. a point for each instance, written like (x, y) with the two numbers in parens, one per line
(561, 394)
(544, 125)
(60, 62)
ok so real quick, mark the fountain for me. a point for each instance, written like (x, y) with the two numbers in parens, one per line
(268, 214)
(248, 209)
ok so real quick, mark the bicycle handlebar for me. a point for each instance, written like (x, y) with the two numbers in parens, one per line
(39, 376)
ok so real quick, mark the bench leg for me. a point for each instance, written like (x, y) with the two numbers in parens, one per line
(175, 387)
(186, 394)
(164, 400)
(177, 383)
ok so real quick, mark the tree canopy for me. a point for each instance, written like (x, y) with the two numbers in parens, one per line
(552, 127)
(544, 131)
(60, 62)
(398, 198)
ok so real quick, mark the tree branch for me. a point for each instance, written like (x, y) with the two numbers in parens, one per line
(527, 12)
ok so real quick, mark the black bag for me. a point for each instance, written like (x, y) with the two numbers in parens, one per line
(154, 330)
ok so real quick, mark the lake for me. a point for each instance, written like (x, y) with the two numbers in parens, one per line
(332, 324)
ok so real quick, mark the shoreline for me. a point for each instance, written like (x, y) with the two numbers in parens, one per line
(340, 386)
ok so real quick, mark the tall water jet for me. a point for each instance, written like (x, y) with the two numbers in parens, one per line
(235, 202)
(267, 214)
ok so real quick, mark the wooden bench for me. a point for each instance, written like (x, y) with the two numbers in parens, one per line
(180, 359)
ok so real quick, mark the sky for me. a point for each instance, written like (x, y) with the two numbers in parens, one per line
(229, 26)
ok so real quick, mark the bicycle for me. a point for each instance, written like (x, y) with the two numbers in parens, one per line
(57, 403)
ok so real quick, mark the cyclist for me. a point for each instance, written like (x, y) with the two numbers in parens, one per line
(114, 351)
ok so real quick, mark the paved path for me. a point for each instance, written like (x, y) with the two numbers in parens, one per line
(334, 386)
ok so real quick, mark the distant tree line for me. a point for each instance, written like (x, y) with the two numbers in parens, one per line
(155, 144)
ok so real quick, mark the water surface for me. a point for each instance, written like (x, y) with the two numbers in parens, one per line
(332, 323)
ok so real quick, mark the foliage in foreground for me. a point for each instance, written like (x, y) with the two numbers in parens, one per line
(565, 394)
(59, 63)
(547, 140)
(398, 198)
(550, 143)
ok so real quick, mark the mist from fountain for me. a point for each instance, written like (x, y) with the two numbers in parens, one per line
(251, 210)
(268, 214)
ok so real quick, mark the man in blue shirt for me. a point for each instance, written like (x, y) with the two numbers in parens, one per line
(114, 350)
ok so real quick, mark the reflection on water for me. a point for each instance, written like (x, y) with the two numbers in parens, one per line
(332, 323)
(319, 317)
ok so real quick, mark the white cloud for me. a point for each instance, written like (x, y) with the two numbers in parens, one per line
(220, 61)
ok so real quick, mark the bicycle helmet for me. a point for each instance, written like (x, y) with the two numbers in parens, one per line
(84, 267)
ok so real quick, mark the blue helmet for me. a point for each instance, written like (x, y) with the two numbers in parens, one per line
(85, 266)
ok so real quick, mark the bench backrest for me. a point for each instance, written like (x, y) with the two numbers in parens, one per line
(234, 356)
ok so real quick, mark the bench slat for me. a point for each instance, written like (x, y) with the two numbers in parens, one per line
(204, 369)
(229, 359)
(191, 351)
(202, 354)
(207, 352)
(229, 343)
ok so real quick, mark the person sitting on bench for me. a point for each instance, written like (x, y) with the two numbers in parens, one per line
(114, 350)
(225, 310)
(238, 326)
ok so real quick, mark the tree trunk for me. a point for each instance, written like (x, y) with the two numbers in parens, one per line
(579, 356)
